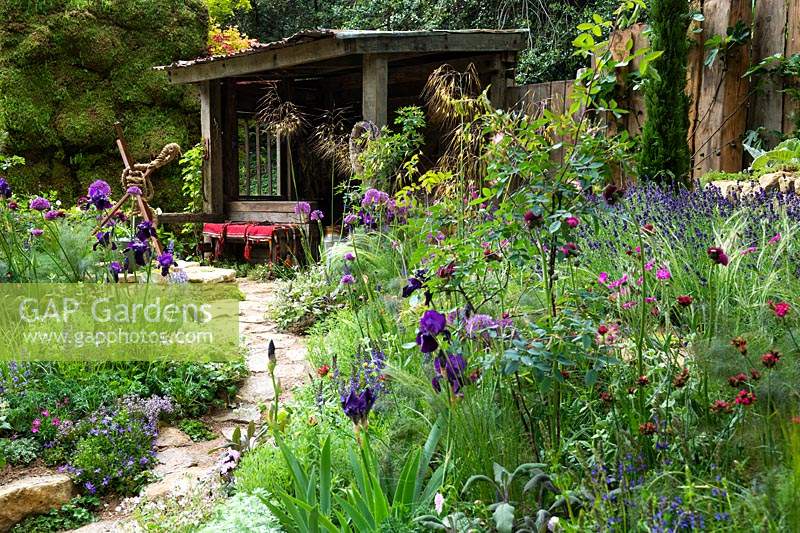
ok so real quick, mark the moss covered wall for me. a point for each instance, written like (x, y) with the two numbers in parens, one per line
(70, 68)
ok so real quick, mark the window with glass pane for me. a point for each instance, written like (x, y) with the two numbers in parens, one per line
(259, 160)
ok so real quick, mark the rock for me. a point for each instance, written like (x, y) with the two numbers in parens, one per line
(256, 389)
(728, 188)
(786, 184)
(209, 274)
(170, 437)
(31, 496)
(769, 182)
(244, 414)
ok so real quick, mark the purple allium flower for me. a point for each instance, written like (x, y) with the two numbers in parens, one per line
(37, 232)
(316, 215)
(348, 279)
(374, 197)
(302, 208)
(134, 191)
(349, 256)
(40, 204)
(5, 188)
(99, 188)
(479, 325)
(352, 219)
(54, 214)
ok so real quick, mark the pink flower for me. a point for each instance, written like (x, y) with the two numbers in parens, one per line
(781, 309)
(498, 137)
(629, 304)
(774, 239)
(749, 250)
(650, 299)
(46, 413)
(602, 278)
(35, 425)
(649, 265)
(619, 282)
(572, 222)
(438, 503)
(663, 273)
(56, 421)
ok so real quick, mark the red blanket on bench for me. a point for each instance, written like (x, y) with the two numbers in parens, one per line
(249, 232)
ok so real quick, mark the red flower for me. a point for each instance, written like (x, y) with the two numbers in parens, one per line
(720, 406)
(770, 358)
(532, 219)
(781, 309)
(648, 228)
(717, 254)
(642, 381)
(740, 344)
(796, 420)
(569, 249)
(648, 428)
(323, 371)
(737, 380)
(685, 300)
(572, 222)
(602, 329)
(755, 374)
(745, 397)
(606, 397)
(681, 379)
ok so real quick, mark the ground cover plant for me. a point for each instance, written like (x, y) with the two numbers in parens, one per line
(523, 345)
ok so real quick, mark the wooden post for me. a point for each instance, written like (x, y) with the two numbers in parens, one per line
(499, 83)
(210, 123)
(374, 88)
(735, 95)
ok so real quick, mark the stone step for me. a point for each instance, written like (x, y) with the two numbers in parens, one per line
(31, 496)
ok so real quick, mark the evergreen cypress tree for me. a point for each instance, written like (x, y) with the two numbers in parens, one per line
(665, 150)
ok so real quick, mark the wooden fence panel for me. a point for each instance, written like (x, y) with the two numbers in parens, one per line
(766, 105)
(735, 93)
(791, 108)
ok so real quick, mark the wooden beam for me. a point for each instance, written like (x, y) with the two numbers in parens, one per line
(499, 83)
(210, 125)
(261, 60)
(374, 89)
(183, 218)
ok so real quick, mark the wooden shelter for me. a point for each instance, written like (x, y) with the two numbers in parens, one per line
(367, 75)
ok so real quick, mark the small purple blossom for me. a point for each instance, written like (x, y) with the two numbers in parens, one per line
(352, 219)
(316, 215)
(40, 204)
(348, 279)
(134, 191)
(302, 208)
(37, 232)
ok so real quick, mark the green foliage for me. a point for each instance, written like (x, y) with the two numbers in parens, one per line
(665, 154)
(69, 69)
(305, 300)
(78, 512)
(220, 10)
(785, 156)
(197, 430)
(21, 451)
(242, 512)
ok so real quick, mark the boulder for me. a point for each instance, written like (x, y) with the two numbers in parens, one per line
(728, 188)
(769, 182)
(31, 496)
(171, 437)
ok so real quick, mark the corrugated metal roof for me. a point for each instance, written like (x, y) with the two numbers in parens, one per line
(320, 34)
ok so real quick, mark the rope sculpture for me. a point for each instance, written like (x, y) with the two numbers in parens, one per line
(139, 174)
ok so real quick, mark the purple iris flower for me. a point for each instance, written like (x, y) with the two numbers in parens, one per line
(104, 240)
(431, 324)
(5, 188)
(40, 204)
(145, 230)
(357, 404)
(115, 268)
(54, 214)
(166, 260)
(453, 369)
(139, 249)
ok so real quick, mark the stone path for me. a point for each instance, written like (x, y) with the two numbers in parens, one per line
(184, 464)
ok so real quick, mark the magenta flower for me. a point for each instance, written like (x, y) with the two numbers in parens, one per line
(775, 239)
(348, 279)
(717, 255)
(349, 256)
(749, 250)
(602, 278)
(37, 232)
(35, 425)
(781, 309)
(572, 222)
(532, 219)
(663, 273)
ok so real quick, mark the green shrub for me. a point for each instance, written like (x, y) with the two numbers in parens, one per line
(305, 300)
(242, 512)
(78, 512)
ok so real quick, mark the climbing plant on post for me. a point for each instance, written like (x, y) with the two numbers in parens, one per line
(665, 150)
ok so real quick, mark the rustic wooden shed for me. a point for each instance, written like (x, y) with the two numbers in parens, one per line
(369, 73)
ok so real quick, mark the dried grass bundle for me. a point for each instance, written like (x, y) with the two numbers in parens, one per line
(282, 118)
(330, 140)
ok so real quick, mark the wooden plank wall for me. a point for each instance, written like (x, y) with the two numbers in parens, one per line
(724, 103)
